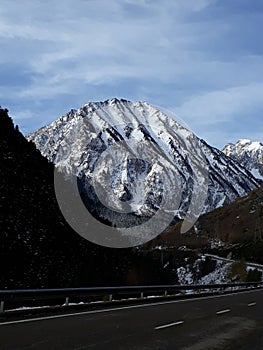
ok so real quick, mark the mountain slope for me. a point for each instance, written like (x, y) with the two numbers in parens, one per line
(79, 141)
(241, 220)
(247, 153)
(235, 228)
(38, 248)
(29, 248)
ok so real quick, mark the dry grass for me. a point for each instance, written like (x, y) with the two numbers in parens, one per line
(237, 222)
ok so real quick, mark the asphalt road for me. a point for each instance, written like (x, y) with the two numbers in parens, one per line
(227, 322)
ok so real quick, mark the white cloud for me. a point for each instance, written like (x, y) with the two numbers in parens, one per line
(222, 105)
(174, 51)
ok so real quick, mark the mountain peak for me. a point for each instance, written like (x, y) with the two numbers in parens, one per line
(77, 141)
(249, 144)
(249, 154)
(109, 102)
(243, 141)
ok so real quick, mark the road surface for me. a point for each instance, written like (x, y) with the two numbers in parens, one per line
(226, 322)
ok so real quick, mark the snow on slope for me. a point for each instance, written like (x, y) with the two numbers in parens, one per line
(83, 142)
(249, 154)
(189, 274)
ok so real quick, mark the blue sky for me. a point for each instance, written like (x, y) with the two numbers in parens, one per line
(202, 59)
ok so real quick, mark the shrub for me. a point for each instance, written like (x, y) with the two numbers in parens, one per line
(254, 275)
(238, 270)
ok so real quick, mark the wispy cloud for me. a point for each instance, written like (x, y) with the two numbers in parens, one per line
(197, 56)
(223, 105)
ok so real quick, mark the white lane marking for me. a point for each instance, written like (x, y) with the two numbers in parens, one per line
(223, 311)
(126, 307)
(251, 304)
(169, 325)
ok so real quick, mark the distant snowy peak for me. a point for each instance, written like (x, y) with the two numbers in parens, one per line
(244, 145)
(249, 154)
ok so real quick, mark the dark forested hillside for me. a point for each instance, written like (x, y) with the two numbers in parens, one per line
(38, 248)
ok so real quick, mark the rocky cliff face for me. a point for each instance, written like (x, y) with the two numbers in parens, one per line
(133, 159)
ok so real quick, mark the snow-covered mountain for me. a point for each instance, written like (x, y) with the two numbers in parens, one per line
(249, 154)
(130, 155)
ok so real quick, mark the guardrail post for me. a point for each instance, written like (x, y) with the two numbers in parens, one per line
(2, 305)
(107, 293)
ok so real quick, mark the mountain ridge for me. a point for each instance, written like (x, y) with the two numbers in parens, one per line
(248, 153)
(77, 140)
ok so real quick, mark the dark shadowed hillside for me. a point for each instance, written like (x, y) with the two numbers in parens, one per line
(38, 248)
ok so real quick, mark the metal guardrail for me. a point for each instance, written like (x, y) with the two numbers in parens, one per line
(20, 296)
(248, 264)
